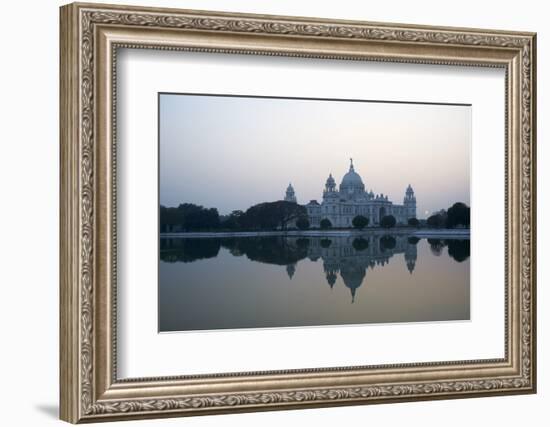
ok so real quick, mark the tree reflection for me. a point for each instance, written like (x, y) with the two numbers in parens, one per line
(387, 242)
(436, 246)
(232, 244)
(459, 250)
(276, 250)
(325, 243)
(188, 250)
(360, 244)
(302, 243)
(413, 240)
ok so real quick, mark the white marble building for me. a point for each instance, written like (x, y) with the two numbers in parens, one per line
(341, 205)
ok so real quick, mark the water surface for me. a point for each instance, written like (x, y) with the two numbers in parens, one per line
(278, 281)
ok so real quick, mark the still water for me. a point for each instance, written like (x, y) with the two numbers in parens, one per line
(277, 281)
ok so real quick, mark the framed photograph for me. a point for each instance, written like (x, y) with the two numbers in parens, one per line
(266, 212)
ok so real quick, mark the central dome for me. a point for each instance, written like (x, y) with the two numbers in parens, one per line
(352, 180)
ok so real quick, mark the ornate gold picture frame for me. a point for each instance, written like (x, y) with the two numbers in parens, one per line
(91, 35)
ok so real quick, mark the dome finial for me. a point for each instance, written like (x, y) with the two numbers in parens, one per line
(350, 164)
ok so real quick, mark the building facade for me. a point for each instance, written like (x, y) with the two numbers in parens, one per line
(341, 205)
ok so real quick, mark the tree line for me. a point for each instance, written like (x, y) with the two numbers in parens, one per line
(263, 216)
(188, 217)
(280, 215)
(458, 215)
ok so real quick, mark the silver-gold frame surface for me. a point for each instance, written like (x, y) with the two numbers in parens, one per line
(90, 36)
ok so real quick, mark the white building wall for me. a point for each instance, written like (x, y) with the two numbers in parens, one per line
(341, 213)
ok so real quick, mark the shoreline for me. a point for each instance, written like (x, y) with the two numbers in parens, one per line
(420, 233)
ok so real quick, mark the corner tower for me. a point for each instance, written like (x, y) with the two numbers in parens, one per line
(290, 196)
(410, 202)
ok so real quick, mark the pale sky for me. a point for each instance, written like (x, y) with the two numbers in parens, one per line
(234, 152)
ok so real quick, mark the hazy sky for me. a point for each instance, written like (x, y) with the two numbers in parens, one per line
(233, 152)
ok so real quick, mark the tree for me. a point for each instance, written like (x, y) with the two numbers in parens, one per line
(436, 221)
(360, 244)
(302, 243)
(360, 222)
(387, 242)
(233, 220)
(169, 218)
(458, 214)
(388, 221)
(189, 217)
(258, 217)
(413, 240)
(196, 217)
(325, 243)
(413, 222)
(272, 215)
(325, 223)
(302, 223)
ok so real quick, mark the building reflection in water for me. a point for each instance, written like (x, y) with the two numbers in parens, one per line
(349, 257)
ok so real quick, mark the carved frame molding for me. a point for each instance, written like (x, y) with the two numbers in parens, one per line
(90, 36)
